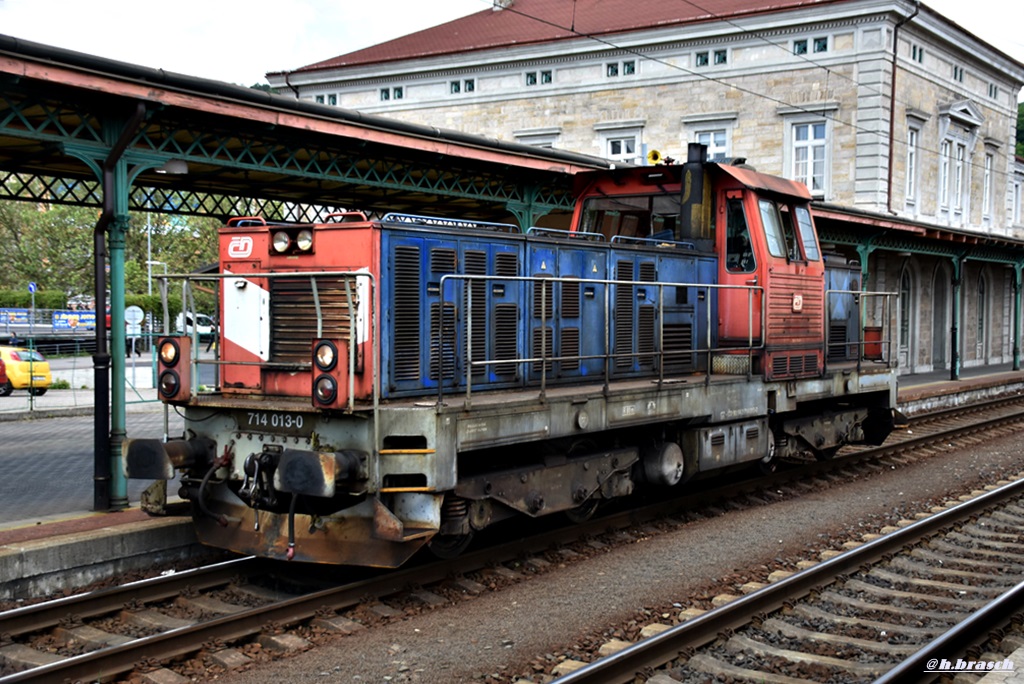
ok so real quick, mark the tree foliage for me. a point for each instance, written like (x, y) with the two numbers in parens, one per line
(52, 245)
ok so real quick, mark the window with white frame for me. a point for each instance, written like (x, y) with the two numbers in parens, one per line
(959, 168)
(621, 141)
(538, 137)
(945, 153)
(986, 196)
(808, 143)
(717, 142)
(913, 140)
(1015, 209)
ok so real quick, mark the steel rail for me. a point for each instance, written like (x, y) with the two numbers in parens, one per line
(663, 648)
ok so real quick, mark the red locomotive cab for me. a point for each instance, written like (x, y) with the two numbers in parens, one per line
(770, 251)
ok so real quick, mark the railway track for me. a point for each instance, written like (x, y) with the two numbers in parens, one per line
(204, 612)
(891, 610)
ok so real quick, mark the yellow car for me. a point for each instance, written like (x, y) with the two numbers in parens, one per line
(26, 369)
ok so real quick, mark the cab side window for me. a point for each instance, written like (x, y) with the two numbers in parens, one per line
(772, 222)
(739, 256)
(806, 230)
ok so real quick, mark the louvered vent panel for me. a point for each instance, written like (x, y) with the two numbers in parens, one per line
(406, 314)
(506, 332)
(506, 264)
(442, 341)
(646, 334)
(837, 341)
(476, 264)
(678, 338)
(780, 365)
(293, 315)
(648, 272)
(542, 337)
(623, 315)
(718, 439)
(570, 347)
(753, 434)
(442, 260)
(570, 299)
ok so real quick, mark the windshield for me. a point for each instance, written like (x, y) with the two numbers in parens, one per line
(653, 217)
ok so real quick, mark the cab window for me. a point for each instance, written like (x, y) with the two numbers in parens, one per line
(772, 222)
(806, 230)
(739, 257)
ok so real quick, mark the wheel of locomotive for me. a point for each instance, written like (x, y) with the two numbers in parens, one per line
(768, 463)
(6, 389)
(448, 546)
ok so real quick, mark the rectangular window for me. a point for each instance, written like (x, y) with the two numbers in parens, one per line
(319, 99)
(332, 99)
(821, 44)
(800, 47)
(809, 155)
(702, 59)
(455, 87)
(628, 68)
(986, 197)
(385, 94)
(912, 141)
(546, 77)
(622, 149)
(945, 153)
(958, 176)
(721, 57)
(958, 73)
(612, 70)
(917, 53)
(993, 91)
(717, 143)
(531, 78)
(1015, 210)
(399, 93)
(469, 85)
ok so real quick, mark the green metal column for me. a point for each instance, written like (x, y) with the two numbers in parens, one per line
(954, 331)
(1017, 267)
(526, 211)
(118, 419)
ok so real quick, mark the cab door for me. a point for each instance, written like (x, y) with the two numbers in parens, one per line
(740, 303)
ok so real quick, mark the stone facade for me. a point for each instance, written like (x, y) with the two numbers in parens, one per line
(812, 83)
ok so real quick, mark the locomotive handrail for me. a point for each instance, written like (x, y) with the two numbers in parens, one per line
(543, 360)
(862, 343)
(633, 240)
(565, 234)
(440, 222)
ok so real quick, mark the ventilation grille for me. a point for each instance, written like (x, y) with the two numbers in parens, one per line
(794, 365)
(570, 299)
(542, 340)
(570, 347)
(718, 439)
(646, 335)
(623, 316)
(442, 260)
(476, 264)
(506, 264)
(837, 341)
(442, 341)
(678, 338)
(506, 332)
(406, 344)
(543, 299)
(293, 315)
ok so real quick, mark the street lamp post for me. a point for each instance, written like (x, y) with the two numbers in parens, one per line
(150, 264)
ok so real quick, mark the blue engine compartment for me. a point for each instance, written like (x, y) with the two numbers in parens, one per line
(504, 301)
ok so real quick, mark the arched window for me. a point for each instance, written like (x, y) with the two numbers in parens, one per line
(982, 308)
(905, 309)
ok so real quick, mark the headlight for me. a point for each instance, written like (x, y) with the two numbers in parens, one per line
(325, 389)
(281, 242)
(169, 384)
(325, 355)
(304, 240)
(169, 352)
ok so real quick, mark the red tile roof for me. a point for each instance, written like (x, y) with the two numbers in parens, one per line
(542, 21)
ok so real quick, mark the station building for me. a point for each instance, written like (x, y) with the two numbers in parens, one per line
(900, 122)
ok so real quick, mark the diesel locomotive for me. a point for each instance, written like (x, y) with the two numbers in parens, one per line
(385, 385)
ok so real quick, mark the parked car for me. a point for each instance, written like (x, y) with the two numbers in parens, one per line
(203, 324)
(26, 369)
(3, 375)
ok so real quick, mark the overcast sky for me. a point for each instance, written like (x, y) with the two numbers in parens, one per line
(239, 41)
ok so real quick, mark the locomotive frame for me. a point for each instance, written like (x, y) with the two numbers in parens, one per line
(385, 385)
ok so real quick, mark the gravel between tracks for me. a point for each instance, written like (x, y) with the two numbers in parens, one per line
(500, 633)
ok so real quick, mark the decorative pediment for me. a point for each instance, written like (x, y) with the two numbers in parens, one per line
(965, 113)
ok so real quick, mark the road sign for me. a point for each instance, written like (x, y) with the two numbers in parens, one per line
(32, 288)
(133, 315)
